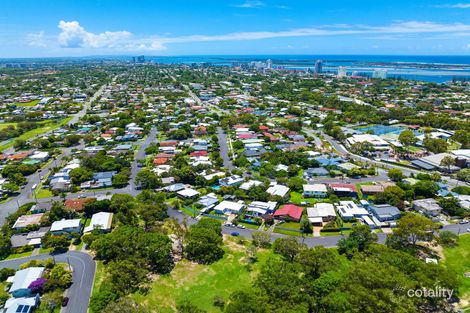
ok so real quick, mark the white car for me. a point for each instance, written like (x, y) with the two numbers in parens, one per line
(468, 229)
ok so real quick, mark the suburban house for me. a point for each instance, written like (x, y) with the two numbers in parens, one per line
(315, 190)
(344, 190)
(208, 201)
(23, 279)
(369, 190)
(188, 193)
(23, 305)
(231, 181)
(260, 208)
(229, 207)
(278, 190)
(428, 207)
(321, 213)
(66, 227)
(27, 220)
(101, 221)
(385, 212)
(289, 212)
(349, 210)
(32, 238)
(77, 204)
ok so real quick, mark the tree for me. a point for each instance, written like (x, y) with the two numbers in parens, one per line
(126, 276)
(425, 188)
(392, 195)
(462, 136)
(20, 144)
(72, 140)
(80, 174)
(203, 242)
(287, 247)
(247, 302)
(125, 305)
(451, 206)
(395, 174)
(261, 239)
(464, 174)
(296, 183)
(146, 179)
(447, 161)
(435, 145)
(57, 243)
(407, 138)
(120, 180)
(317, 261)
(358, 240)
(448, 239)
(413, 227)
(5, 246)
(188, 307)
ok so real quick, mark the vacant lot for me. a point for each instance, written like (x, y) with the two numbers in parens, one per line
(458, 258)
(201, 283)
(45, 127)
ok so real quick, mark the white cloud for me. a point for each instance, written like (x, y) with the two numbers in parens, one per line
(36, 39)
(75, 36)
(250, 4)
(455, 6)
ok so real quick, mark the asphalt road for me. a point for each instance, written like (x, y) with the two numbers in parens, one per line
(83, 276)
(223, 148)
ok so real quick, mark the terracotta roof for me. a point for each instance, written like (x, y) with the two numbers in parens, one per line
(290, 210)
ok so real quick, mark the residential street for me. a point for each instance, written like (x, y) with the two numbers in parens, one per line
(223, 148)
(83, 276)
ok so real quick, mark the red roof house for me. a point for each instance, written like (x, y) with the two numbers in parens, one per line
(289, 211)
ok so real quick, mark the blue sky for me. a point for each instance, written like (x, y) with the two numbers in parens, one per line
(173, 27)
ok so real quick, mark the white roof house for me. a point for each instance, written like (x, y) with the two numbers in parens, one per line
(324, 211)
(188, 193)
(101, 220)
(349, 209)
(229, 207)
(66, 226)
(24, 278)
(22, 305)
(250, 184)
(376, 141)
(261, 208)
(278, 190)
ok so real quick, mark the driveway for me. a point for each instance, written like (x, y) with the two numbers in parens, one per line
(83, 276)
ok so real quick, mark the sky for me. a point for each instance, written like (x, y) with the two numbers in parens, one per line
(58, 28)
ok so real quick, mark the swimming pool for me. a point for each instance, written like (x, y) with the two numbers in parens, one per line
(381, 129)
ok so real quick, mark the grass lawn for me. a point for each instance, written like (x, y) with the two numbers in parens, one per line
(19, 255)
(48, 126)
(27, 104)
(44, 250)
(247, 225)
(43, 193)
(201, 283)
(458, 259)
(296, 198)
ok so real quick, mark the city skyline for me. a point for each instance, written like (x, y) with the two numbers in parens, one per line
(238, 27)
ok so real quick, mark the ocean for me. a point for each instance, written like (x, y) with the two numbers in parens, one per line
(438, 69)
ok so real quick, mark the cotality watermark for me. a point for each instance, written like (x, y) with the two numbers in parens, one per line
(436, 292)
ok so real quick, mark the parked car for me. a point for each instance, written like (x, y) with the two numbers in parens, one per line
(468, 229)
(235, 234)
(65, 301)
(463, 222)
